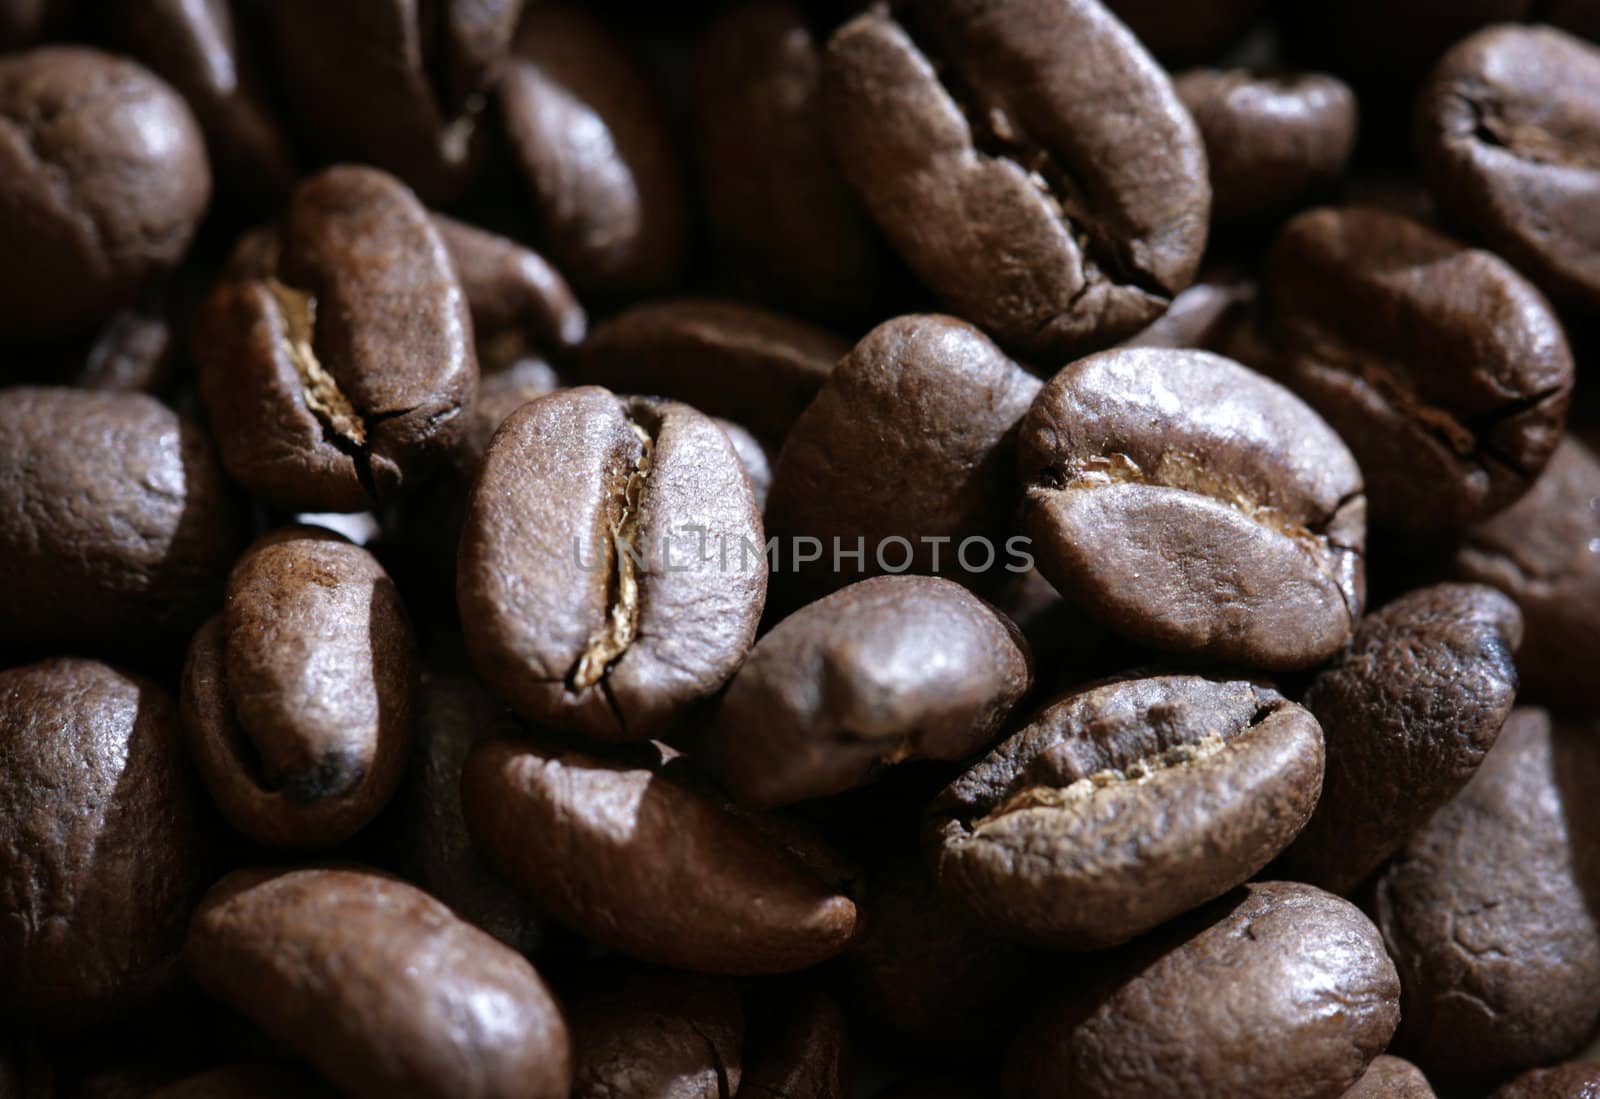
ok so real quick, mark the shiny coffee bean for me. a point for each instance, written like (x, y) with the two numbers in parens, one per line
(1201, 317)
(1408, 712)
(612, 565)
(1277, 991)
(975, 133)
(647, 865)
(297, 699)
(198, 47)
(646, 1032)
(336, 354)
(1271, 139)
(511, 289)
(1487, 910)
(103, 855)
(1080, 831)
(590, 136)
(1196, 506)
(1508, 128)
(103, 180)
(890, 669)
(784, 216)
(379, 987)
(1544, 552)
(394, 83)
(905, 456)
(757, 368)
(118, 526)
(1446, 372)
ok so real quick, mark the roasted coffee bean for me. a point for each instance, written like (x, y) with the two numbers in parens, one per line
(1508, 131)
(336, 354)
(379, 987)
(1487, 910)
(1391, 1078)
(1446, 372)
(1277, 991)
(297, 698)
(430, 841)
(890, 669)
(649, 866)
(103, 853)
(1408, 712)
(995, 171)
(784, 216)
(921, 964)
(756, 368)
(511, 289)
(904, 456)
(1544, 552)
(654, 1033)
(134, 352)
(612, 567)
(395, 83)
(1080, 831)
(1573, 1080)
(1201, 317)
(1196, 506)
(118, 526)
(103, 179)
(796, 1044)
(591, 138)
(1271, 139)
(197, 46)
(1189, 32)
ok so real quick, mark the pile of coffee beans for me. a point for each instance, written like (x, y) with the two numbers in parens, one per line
(799, 549)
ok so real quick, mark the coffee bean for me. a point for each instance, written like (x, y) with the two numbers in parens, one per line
(1271, 139)
(1080, 831)
(641, 1032)
(995, 172)
(1189, 32)
(1487, 914)
(890, 669)
(119, 528)
(1408, 712)
(297, 698)
(135, 351)
(754, 459)
(379, 986)
(103, 853)
(1573, 1080)
(588, 132)
(776, 200)
(612, 565)
(1196, 506)
(1391, 1078)
(1544, 552)
(1507, 130)
(904, 455)
(511, 289)
(756, 368)
(396, 84)
(104, 180)
(921, 964)
(336, 354)
(649, 866)
(796, 1047)
(1446, 372)
(197, 46)
(1201, 317)
(430, 841)
(1278, 990)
